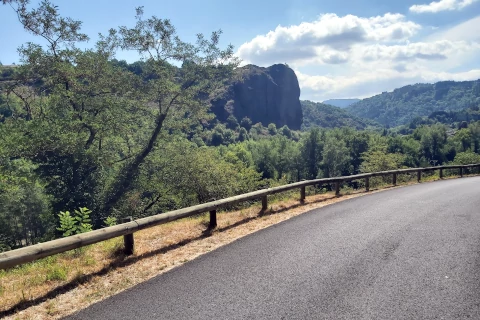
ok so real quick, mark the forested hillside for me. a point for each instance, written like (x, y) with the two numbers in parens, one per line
(404, 104)
(86, 139)
(327, 116)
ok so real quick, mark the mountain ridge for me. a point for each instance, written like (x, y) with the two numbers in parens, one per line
(402, 105)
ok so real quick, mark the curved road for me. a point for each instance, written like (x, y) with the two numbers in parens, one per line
(406, 253)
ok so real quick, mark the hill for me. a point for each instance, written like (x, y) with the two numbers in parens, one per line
(327, 116)
(341, 103)
(406, 103)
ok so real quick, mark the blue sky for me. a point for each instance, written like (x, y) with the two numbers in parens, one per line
(338, 49)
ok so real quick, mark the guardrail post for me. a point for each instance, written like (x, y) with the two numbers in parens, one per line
(367, 184)
(213, 217)
(128, 240)
(441, 173)
(419, 175)
(337, 188)
(302, 194)
(394, 178)
(264, 203)
(461, 172)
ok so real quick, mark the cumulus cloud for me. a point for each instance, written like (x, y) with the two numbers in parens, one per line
(330, 35)
(366, 84)
(356, 57)
(442, 5)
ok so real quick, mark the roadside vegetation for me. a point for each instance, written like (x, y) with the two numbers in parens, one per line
(62, 284)
(81, 130)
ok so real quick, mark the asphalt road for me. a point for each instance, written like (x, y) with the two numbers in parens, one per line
(407, 253)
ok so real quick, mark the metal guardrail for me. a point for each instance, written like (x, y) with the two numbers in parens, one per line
(41, 250)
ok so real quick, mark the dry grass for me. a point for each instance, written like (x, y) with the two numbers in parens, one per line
(60, 285)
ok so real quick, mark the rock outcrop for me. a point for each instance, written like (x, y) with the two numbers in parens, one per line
(266, 95)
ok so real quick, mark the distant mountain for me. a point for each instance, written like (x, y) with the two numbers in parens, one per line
(341, 103)
(404, 104)
(327, 116)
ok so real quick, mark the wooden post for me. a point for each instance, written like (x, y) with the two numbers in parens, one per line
(419, 175)
(264, 203)
(441, 173)
(461, 172)
(128, 240)
(337, 188)
(302, 194)
(213, 219)
(394, 179)
(367, 184)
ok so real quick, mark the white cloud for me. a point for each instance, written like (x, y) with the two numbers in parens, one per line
(442, 5)
(330, 34)
(366, 84)
(354, 57)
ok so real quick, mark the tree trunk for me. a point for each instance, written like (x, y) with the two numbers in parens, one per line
(129, 172)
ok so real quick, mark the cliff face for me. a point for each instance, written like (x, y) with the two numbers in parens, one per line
(266, 95)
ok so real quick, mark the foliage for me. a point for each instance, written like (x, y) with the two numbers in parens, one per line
(81, 129)
(467, 157)
(24, 205)
(110, 221)
(80, 222)
(405, 104)
(327, 116)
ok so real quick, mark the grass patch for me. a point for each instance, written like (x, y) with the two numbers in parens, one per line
(57, 273)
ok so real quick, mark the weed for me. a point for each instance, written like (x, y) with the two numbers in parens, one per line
(89, 260)
(56, 273)
(51, 308)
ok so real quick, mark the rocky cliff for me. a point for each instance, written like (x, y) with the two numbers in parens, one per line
(266, 95)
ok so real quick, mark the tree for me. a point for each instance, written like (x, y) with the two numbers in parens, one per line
(464, 137)
(89, 114)
(272, 129)
(285, 131)
(336, 158)
(25, 215)
(246, 123)
(232, 122)
(467, 157)
(205, 68)
(243, 135)
(311, 151)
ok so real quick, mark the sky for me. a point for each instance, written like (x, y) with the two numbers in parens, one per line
(338, 49)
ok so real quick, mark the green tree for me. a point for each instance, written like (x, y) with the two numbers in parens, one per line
(246, 123)
(311, 151)
(272, 129)
(97, 121)
(336, 158)
(25, 213)
(232, 122)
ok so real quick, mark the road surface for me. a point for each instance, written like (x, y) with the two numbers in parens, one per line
(406, 253)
